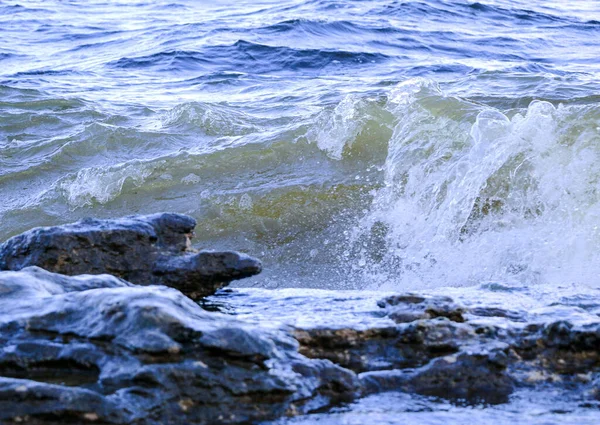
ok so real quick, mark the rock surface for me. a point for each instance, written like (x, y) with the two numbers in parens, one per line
(97, 349)
(434, 346)
(145, 250)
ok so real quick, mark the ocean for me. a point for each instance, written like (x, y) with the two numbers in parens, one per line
(371, 145)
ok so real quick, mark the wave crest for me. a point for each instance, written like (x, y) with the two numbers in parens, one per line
(475, 194)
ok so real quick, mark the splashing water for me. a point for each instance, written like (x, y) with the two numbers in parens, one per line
(348, 144)
(476, 194)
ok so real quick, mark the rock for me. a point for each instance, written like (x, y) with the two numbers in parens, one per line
(30, 402)
(561, 347)
(357, 350)
(465, 377)
(96, 349)
(515, 316)
(433, 346)
(404, 346)
(436, 357)
(411, 307)
(145, 250)
(594, 392)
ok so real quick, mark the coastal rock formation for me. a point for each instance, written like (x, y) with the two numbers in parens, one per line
(145, 250)
(467, 377)
(410, 307)
(431, 345)
(97, 349)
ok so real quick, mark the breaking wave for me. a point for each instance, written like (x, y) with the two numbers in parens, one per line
(347, 144)
(475, 194)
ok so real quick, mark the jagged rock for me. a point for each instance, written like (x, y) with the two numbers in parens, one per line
(145, 250)
(515, 316)
(595, 390)
(97, 349)
(358, 350)
(404, 346)
(561, 347)
(431, 357)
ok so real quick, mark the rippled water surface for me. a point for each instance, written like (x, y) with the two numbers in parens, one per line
(526, 408)
(349, 144)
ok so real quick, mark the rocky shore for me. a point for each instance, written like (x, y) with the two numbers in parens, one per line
(144, 250)
(98, 324)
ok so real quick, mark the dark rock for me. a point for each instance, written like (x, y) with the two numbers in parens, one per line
(467, 354)
(515, 316)
(29, 402)
(561, 347)
(358, 350)
(145, 250)
(97, 349)
(472, 378)
(404, 346)
(595, 389)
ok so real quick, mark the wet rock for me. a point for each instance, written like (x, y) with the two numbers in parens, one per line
(145, 250)
(594, 392)
(30, 402)
(404, 346)
(411, 307)
(97, 349)
(515, 316)
(478, 377)
(358, 350)
(561, 347)
(466, 377)
(431, 345)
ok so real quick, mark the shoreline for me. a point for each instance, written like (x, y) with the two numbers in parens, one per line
(98, 349)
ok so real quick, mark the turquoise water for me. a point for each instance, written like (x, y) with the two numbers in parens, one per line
(349, 144)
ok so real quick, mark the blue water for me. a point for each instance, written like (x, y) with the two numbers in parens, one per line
(349, 144)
